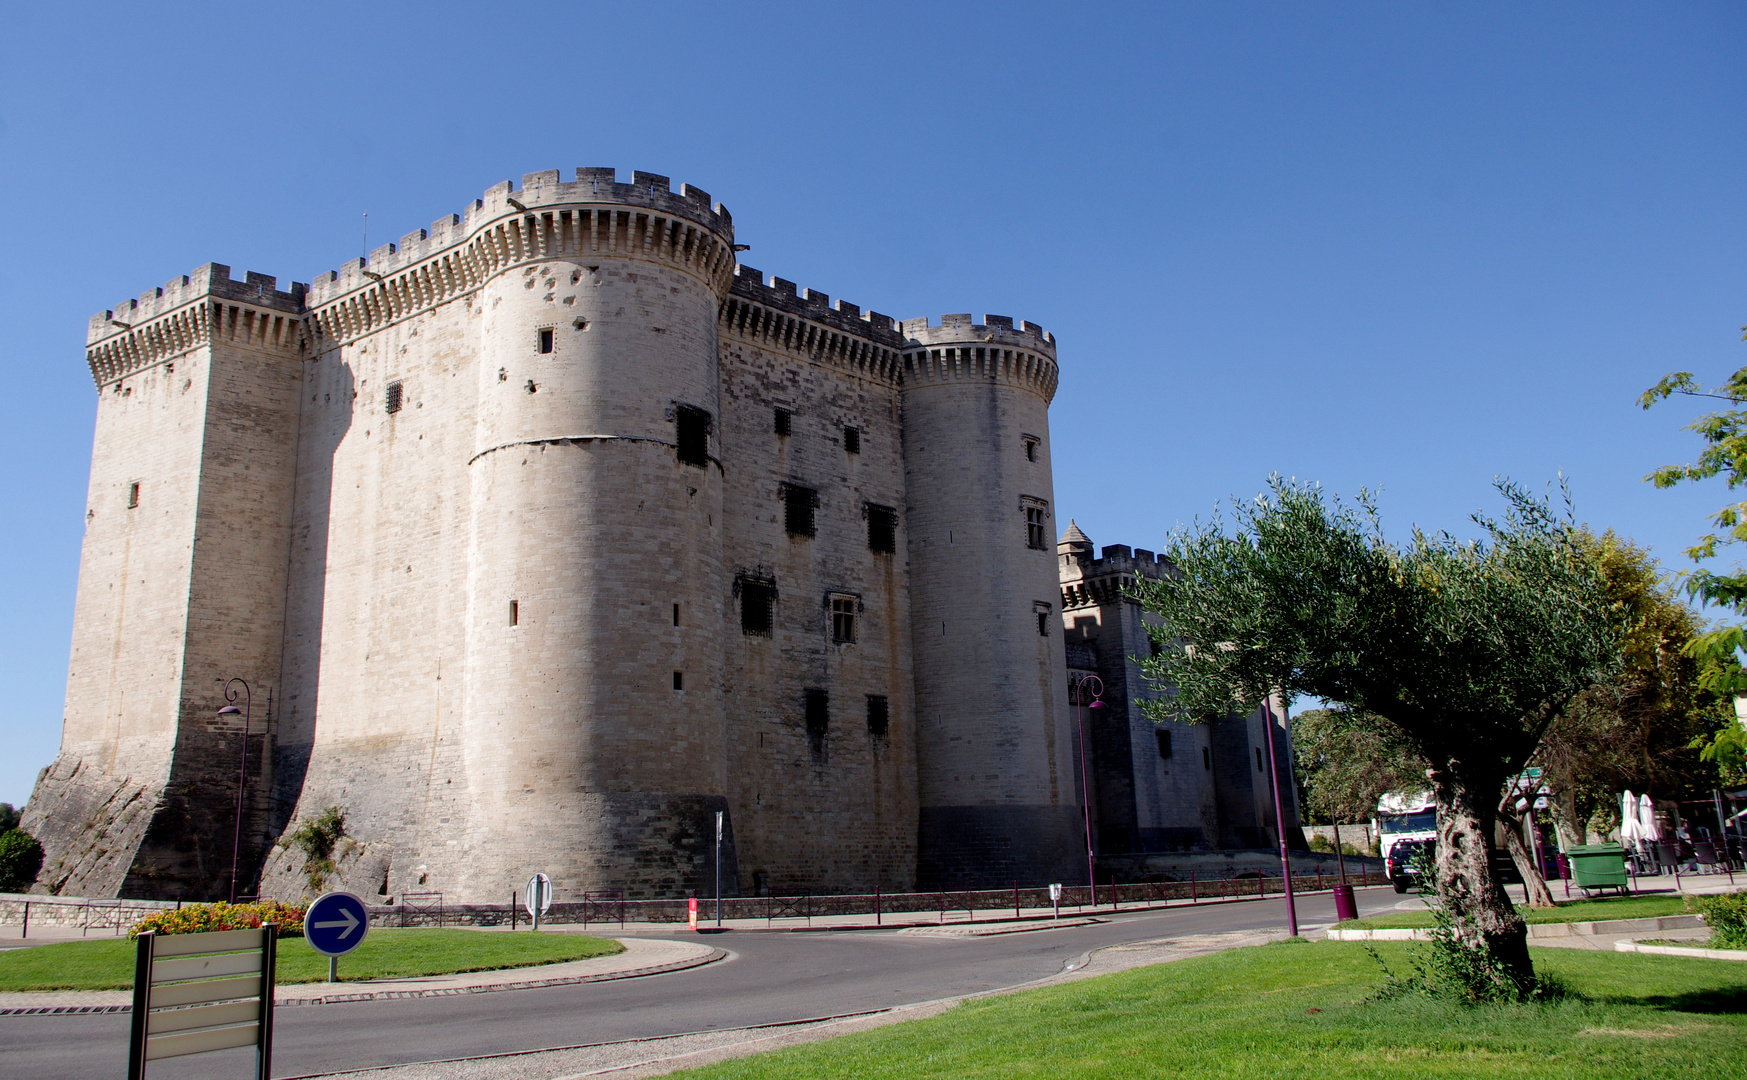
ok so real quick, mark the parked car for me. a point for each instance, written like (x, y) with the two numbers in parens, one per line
(1402, 864)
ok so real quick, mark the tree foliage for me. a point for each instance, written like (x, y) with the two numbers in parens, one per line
(20, 860)
(1347, 761)
(1469, 649)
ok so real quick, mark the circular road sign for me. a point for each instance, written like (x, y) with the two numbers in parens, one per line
(336, 923)
(539, 899)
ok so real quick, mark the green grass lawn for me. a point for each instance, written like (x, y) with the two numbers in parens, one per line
(1610, 907)
(1298, 1010)
(108, 965)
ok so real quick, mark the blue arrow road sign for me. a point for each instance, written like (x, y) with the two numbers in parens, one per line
(336, 923)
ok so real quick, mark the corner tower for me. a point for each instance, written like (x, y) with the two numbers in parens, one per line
(999, 795)
(594, 713)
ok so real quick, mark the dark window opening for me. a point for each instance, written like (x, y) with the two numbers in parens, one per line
(1164, 735)
(392, 404)
(882, 529)
(693, 435)
(676, 614)
(784, 423)
(818, 711)
(515, 613)
(546, 341)
(1043, 623)
(1259, 759)
(878, 715)
(1035, 536)
(133, 495)
(1206, 760)
(757, 598)
(679, 680)
(1030, 449)
(1154, 647)
(798, 505)
(843, 619)
(852, 440)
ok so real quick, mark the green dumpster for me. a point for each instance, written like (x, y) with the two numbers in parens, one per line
(1599, 866)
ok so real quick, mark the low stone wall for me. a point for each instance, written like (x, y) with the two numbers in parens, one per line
(92, 915)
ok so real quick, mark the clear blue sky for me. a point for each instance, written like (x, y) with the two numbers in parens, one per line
(1407, 246)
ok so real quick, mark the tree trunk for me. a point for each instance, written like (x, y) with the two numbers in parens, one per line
(1511, 827)
(1483, 916)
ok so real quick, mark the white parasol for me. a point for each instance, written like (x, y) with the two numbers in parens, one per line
(1647, 819)
(1628, 819)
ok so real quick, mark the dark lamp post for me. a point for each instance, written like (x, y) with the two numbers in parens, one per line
(246, 712)
(1095, 685)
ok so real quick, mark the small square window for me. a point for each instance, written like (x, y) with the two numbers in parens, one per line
(1031, 444)
(133, 495)
(1164, 737)
(391, 402)
(843, 619)
(852, 440)
(818, 714)
(882, 529)
(692, 435)
(798, 506)
(784, 421)
(757, 598)
(878, 715)
(546, 341)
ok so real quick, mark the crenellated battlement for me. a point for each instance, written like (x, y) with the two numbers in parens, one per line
(994, 329)
(213, 279)
(1087, 581)
(779, 314)
(191, 311)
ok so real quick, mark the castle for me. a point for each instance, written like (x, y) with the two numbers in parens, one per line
(547, 534)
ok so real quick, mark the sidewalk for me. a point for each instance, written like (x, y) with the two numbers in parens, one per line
(642, 956)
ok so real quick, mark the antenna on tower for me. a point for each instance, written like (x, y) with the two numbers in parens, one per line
(364, 253)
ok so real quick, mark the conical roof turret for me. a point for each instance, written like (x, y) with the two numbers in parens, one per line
(1074, 542)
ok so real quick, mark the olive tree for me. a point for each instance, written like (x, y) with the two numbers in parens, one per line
(1470, 649)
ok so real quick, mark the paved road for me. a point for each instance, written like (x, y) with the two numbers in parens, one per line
(768, 978)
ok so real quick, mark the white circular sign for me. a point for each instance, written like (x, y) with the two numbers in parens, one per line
(539, 900)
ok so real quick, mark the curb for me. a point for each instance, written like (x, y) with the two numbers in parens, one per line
(1676, 950)
(993, 929)
(389, 995)
(1536, 930)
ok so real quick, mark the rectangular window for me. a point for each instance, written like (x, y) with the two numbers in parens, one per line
(843, 618)
(878, 715)
(1035, 535)
(546, 341)
(1164, 735)
(679, 680)
(1043, 623)
(676, 614)
(1206, 760)
(515, 613)
(692, 435)
(1031, 443)
(818, 712)
(757, 598)
(798, 505)
(882, 529)
(133, 495)
(852, 440)
(1259, 760)
(392, 403)
(784, 423)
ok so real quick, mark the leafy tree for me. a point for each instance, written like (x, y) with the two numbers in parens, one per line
(1469, 649)
(8, 817)
(1719, 649)
(20, 859)
(1348, 761)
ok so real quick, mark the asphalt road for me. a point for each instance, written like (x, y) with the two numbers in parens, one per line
(768, 978)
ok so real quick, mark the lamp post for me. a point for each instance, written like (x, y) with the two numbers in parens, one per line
(1080, 689)
(1280, 815)
(247, 713)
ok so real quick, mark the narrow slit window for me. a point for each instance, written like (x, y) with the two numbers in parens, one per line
(546, 340)
(515, 613)
(133, 495)
(843, 619)
(676, 614)
(784, 421)
(1259, 760)
(679, 680)
(757, 599)
(882, 529)
(692, 435)
(391, 402)
(1164, 737)
(798, 506)
(817, 704)
(1206, 760)
(852, 440)
(879, 715)
(1043, 623)
(1031, 443)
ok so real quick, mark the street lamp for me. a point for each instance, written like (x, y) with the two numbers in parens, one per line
(1086, 683)
(247, 713)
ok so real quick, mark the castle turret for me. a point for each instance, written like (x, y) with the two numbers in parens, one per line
(594, 711)
(999, 795)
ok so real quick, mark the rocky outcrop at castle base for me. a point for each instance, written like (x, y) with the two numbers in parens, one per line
(90, 825)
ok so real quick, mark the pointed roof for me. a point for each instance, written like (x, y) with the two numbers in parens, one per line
(1074, 535)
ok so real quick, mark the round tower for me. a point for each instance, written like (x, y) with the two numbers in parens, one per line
(995, 750)
(595, 727)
